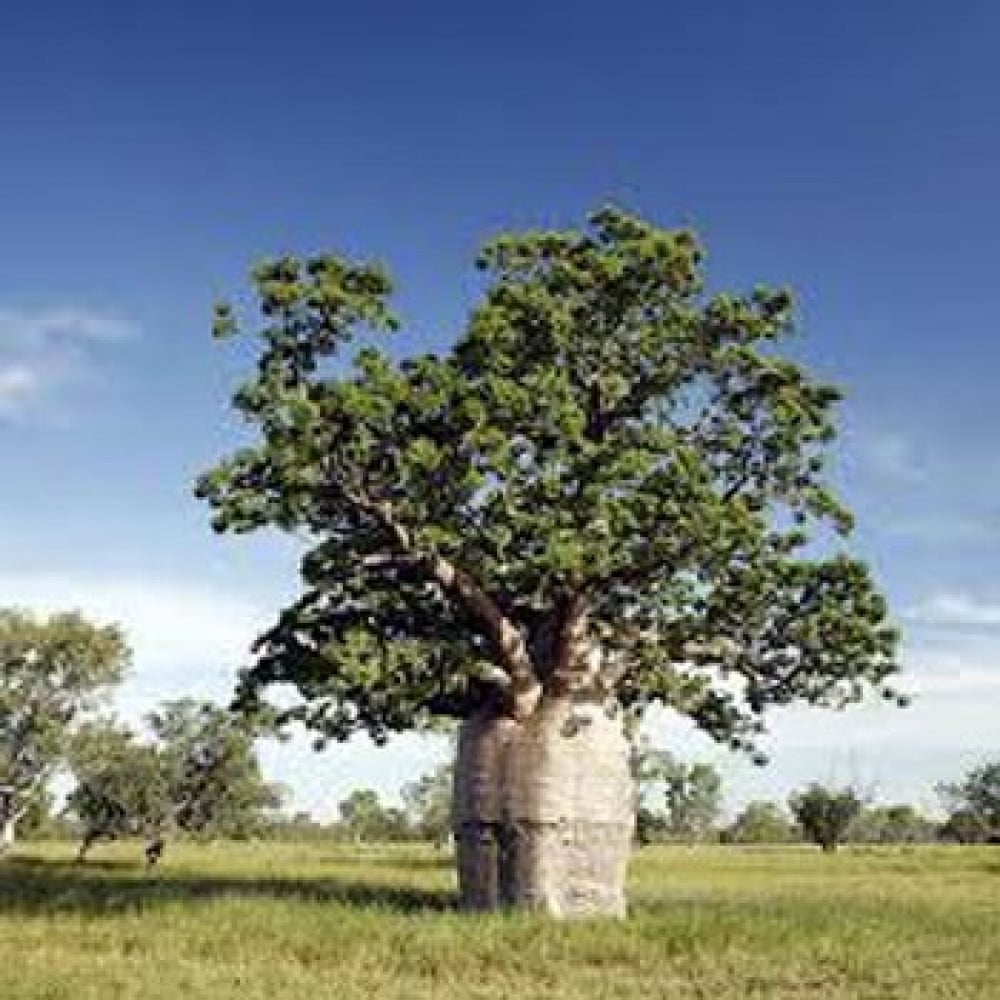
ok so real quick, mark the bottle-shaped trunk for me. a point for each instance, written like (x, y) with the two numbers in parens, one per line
(545, 811)
(477, 811)
(570, 812)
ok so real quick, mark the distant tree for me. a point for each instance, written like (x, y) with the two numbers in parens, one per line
(761, 823)
(964, 826)
(213, 775)
(694, 798)
(610, 493)
(973, 803)
(646, 764)
(428, 804)
(52, 672)
(38, 821)
(198, 774)
(122, 788)
(824, 814)
(650, 824)
(893, 824)
(363, 816)
(691, 795)
(299, 827)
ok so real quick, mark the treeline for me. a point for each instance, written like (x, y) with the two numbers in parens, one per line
(682, 802)
(192, 770)
(362, 817)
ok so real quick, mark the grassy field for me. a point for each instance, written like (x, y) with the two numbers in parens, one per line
(284, 921)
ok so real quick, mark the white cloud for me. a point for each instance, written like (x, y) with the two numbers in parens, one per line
(44, 351)
(31, 329)
(19, 382)
(893, 456)
(974, 528)
(186, 638)
(956, 609)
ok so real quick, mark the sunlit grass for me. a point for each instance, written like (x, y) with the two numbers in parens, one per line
(286, 921)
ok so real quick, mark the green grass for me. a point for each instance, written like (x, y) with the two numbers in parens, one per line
(286, 921)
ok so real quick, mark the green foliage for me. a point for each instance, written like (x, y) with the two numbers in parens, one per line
(964, 826)
(761, 823)
(212, 774)
(893, 824)
(974, 805)
(607, 449)
(365, 819)
(198, 774)
(52, 672)
(428, 804)
(691, 796)
(825, 814)
(300, 827)
(37, 821)
(121, 784)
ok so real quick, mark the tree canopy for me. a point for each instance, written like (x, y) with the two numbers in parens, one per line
(761, 822)
(366, 819)
(52, 670)
(611, 457)
(121, 786)
(428, 803)
(973, 804)
(690, 793)
(199, 774)
(825, 814)
(212, 774)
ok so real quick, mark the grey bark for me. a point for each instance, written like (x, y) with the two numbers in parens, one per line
(478, 812)
(570, 804)
(544, 810)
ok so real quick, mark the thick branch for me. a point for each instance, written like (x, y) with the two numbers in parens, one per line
(569, 659)
(506, 639)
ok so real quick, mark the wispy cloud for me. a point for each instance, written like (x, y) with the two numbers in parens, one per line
(973, 528)
(955, 609)
(45, 351)
(187, 638)
(893, 456)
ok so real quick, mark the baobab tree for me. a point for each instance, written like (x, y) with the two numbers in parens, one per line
(609, 494)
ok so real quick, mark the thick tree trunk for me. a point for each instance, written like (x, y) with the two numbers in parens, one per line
(570, 802)
(478, 809)
(545, 811)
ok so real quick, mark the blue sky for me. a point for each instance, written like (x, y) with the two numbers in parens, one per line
(151, 152)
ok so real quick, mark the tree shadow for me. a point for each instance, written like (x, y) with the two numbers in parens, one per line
(442, 862)
(40, 886)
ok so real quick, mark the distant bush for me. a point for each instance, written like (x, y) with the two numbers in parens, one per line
(825, 815)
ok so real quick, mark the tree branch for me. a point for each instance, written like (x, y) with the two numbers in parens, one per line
(571, 642)
(508, 643)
